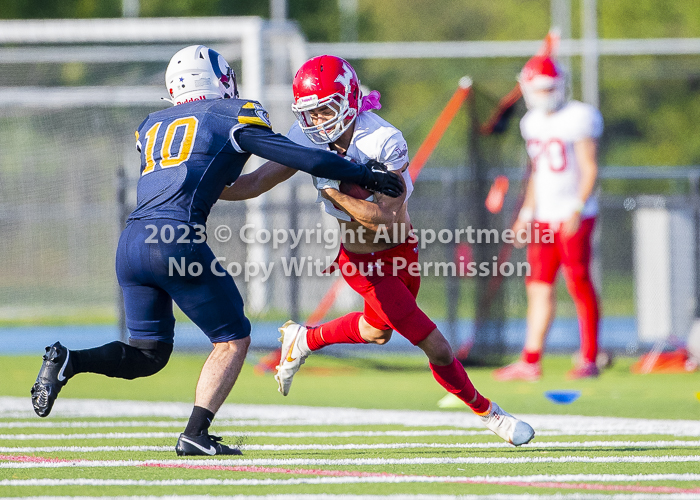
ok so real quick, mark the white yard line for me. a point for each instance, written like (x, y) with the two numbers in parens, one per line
(558, 478)
(97, 435)
(81, 449)
(351, 461)
(12, 407)
(219, 423)
(225, 423)
(293, 435)
(361, 446)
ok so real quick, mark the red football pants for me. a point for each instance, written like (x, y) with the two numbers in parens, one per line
(389, 287)
(573, 254)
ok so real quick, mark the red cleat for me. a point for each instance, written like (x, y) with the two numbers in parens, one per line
(520, 370)
(584, 370)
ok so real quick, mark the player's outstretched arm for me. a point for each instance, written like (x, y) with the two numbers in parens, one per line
(263, 142)
(384, 212)
(257, 182)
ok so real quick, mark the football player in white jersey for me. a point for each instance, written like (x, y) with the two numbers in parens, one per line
(332, 114)
(561, 137)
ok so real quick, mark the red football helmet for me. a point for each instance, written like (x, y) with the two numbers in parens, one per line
(326, 81)
(543, 73)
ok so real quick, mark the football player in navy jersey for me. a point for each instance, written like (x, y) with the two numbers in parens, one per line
(189, 154)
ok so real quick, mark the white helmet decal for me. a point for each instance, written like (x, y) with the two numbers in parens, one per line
(345, 78)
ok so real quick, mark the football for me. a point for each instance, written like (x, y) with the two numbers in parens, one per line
(355, 190)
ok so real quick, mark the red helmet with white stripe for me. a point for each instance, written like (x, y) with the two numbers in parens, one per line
(326, 81)
(543, 84)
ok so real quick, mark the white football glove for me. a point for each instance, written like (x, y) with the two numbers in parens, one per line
(320, 183)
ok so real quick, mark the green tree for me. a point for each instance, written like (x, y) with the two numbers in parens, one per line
(52, 9)
(650, 104)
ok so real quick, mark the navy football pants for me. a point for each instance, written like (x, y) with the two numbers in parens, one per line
(150, 282)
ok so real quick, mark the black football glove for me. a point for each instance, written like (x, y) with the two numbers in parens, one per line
(380, 180)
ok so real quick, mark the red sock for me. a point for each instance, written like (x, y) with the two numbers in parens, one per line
(532, 356)
(455, 380)
(344, 330)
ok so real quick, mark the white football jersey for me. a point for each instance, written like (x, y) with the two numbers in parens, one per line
(374, 138)
(550, 142)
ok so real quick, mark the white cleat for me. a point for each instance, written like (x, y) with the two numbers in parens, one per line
(507, 427)
(294, 354)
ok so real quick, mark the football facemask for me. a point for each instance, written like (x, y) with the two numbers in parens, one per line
(332, 128)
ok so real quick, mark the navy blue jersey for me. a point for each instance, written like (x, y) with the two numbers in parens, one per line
(191, 152)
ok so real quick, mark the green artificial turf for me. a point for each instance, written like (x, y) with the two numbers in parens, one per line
(395, 382)
(402, 382)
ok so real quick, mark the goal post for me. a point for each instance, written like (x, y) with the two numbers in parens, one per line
(73, 92)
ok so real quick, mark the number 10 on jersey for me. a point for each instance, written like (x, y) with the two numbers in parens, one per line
(165, 157)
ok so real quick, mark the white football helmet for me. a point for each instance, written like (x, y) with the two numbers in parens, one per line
(543, 84)
(198, 72)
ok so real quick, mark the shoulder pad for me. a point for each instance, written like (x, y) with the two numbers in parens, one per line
(252, 113)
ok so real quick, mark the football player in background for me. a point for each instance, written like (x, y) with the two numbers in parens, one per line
(562, 138)
(333, 115)
(189, 154)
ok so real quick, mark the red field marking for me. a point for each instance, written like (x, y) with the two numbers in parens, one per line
(591, 486)
(274, 470)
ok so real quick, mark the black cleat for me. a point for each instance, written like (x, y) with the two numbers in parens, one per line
(204, 444)
(54, 373)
